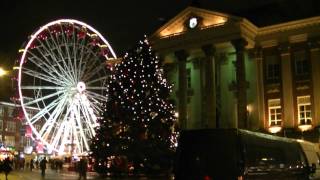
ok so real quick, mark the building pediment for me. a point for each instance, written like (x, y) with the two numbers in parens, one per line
(204, 19)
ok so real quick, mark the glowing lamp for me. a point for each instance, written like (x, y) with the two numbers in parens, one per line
(305, 127)
(275, 129)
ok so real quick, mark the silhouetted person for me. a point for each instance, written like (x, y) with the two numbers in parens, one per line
(43, 166)
(82, 168)
(7, 167)
(31, 164)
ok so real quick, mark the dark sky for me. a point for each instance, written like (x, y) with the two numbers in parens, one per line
(121, 22)
(124, 22)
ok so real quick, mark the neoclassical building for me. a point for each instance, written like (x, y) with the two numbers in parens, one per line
(228, 72)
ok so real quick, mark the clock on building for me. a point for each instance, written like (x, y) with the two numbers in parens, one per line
(193, 22)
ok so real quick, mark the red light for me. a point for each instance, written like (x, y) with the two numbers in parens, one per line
(207, 178)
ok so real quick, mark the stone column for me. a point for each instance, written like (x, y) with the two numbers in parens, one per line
(239, 45)
(287, 88)
(315, 69)
(210, 85)
(260, 87)
(182, 55)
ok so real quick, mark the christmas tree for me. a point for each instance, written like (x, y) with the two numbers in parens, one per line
(137, 126)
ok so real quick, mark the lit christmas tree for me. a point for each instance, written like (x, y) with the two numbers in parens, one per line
(137, 127)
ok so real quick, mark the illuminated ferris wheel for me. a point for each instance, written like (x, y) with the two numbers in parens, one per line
(63, 71)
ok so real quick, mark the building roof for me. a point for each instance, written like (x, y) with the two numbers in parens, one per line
(267, 12)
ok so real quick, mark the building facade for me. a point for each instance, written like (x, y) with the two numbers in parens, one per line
(10, 126)
(228, 72)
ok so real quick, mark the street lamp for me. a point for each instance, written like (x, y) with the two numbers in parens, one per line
(2, 72)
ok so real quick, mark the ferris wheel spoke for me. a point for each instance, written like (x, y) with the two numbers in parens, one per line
(90, 55)
(44, 111)
(53, 118)
(41, 76)
(67, 44)
(94, 104)
(64, 137)
(93, 101)
(96, 95)
(81, 130)
(45, 97)
(96, 80)
(66, 69)
(75, 134)
(42, 87)
(81, 57)
(42, 64)
(96, 88)
(91, 72)
(60, 131)
(48, 64)
(58, 135)
(89, 119)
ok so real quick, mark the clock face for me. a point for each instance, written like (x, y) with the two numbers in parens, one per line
(193, 22)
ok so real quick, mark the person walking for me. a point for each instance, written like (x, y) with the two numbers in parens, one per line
(82, 168)
(43, 166)
(31, 164)
(7, 167)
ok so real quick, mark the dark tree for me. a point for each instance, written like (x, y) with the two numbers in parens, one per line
(137, 126)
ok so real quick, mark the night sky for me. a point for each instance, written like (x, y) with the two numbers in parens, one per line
(121, 22)
(124, 22)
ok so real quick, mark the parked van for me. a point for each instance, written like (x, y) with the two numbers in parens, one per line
(312, 153)
(223, 154)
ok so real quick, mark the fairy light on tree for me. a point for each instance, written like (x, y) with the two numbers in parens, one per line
(138, 119)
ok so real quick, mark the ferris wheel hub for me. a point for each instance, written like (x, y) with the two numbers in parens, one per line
(81, 86)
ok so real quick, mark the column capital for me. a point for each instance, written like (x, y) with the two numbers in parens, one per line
(181, 55)
(239, 44)
(314, 44)
(208, 49)
(284, 48)
(256, 52)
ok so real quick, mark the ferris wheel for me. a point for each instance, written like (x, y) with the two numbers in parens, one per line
(62, 71)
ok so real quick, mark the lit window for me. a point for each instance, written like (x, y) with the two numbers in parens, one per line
(275, 112)
(301, 63)
(11, 126)
(304, 110)
(9, 140)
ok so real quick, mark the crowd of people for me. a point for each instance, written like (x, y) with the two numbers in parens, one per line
(8, 164)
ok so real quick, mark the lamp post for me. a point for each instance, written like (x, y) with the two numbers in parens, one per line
(3, 72)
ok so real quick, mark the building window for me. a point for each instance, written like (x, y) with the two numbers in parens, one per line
(28, 141)
(11, 126)
(272, 68)
(9, 140)
(1, 125)
(304, 110)
(189, 78)
(10, 112)
(275, 112)
(22, 140)
(1, 111)
(302, 66)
